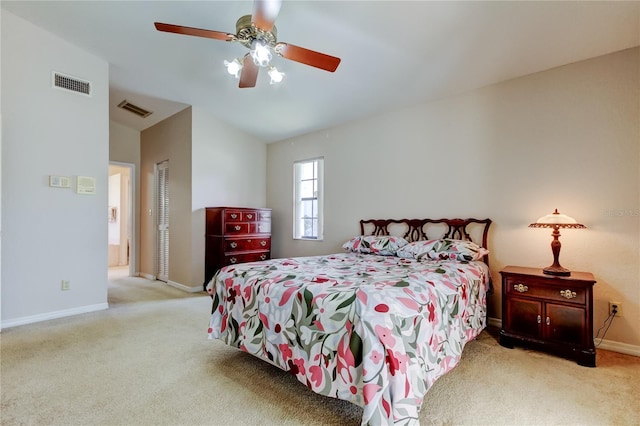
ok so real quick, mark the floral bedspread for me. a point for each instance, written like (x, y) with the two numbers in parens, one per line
(374, 330)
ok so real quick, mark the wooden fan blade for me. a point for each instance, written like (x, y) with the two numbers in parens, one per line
(307, 57)
(249, 74)
(198, 32)
(265, 13)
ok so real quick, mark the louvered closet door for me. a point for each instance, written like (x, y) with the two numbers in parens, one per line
(162, 241)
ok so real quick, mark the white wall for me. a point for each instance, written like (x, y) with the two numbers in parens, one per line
(567, 138)
(229, 169)
(51, 234)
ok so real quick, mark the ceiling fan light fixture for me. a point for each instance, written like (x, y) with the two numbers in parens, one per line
(234, 67)
(261, 53)
(258, 33)
(275, 75)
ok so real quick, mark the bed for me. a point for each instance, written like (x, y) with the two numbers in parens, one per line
(376, 325)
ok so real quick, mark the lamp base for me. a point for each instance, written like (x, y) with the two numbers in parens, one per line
(556, 270)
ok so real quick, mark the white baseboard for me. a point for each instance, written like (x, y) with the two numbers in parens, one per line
(494, 322)
(173, 284)
(184, 287)
(607, 345)
(623, 348)
(54, 315)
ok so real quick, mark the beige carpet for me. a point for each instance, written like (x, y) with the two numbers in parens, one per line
(147, 361)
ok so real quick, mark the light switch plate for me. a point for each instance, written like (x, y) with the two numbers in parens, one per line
(59, 181)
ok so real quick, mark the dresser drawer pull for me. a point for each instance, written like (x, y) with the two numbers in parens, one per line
(568, 294)
(233, 244)
(548, 321)
(250, 216)
(234, 216)
(263, 243)
(520, 288)
(263, 256)
(233, 260)
(237, 227)
(539, 319)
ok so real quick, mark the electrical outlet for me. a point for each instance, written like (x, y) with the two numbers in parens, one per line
(65, 285)
(618, 307)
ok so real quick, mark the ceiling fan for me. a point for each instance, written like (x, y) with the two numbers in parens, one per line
(257, 33)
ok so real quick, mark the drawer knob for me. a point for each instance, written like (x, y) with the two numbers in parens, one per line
(539, 319)
(520, 288)
(237, 227)
(548, 321)
(250, 216)
(233, 244)
(568, 294)
(233, 260)
(234, 216)
(263, 256)
(263, 243)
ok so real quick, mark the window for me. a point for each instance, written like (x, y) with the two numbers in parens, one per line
(307, 197)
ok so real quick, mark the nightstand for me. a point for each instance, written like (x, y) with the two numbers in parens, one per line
(550, 313)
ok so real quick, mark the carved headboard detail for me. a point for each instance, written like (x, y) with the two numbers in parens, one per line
(476, 230)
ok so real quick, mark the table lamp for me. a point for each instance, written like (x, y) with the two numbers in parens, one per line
(556, 221)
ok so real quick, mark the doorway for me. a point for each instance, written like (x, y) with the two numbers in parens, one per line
(121, 220)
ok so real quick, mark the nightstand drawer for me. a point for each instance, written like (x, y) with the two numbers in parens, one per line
(525, 286)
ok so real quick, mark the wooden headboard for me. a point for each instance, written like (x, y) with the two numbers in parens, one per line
(476, 230)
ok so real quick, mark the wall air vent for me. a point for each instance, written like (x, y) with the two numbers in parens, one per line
(140, 112)
(73, 84)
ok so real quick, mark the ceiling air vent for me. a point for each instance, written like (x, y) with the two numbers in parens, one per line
(141, 112)
(72, 84)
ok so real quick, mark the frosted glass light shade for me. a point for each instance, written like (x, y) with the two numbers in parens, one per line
(556, 219)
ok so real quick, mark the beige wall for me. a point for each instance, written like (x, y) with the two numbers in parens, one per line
(567, 138)
(124, 144)
(168, 140)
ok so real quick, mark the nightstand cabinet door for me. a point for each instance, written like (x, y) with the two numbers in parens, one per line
(525, 317)
(566, 324)
(549, 312)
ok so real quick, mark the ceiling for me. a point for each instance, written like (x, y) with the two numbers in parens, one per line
(394, 53)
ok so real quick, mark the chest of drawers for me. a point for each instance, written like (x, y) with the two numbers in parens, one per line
(235, 235)
(549, 312)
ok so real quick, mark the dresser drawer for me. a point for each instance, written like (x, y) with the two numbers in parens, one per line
(261, 227)
(264, 215)
(245, 215)
(246, 244)
(250, 216)
(238, 228)
(532, 287)
(232, 258)
(233, 215)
